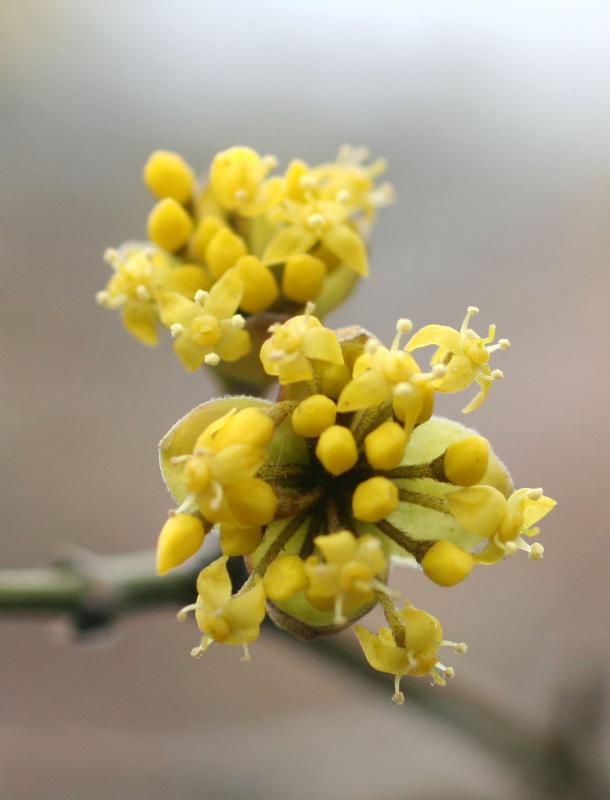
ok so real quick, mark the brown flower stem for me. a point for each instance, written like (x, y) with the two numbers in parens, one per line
(286, 475)
(291, 503)
(417, 548)
(425, 500)
(435, 470)
(392, 617)
(277, 545)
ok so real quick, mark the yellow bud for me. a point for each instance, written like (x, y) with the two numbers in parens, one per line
(180, 538)
(223, 250)
(313, 416)
(447, 564)
(337, 450)
(285, 577)
(303, 277)
(238, 541)
(249, 426)
(385, 446)
(197, 474)
(260, 286)
(252, 501)
(466, 461)
(206, 228)
(334, 378)
(167, 174)
(374, 499)
(169, 225)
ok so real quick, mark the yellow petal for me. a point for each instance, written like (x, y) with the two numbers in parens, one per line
(225, 296)
(246, 610)
(174, 309)
(480, 509)
(252, 501)
(214, 584)
(368, 390)
(290, 241)
(186, 280)
(346, 244)
(294, 371)
(234, 344)
(191, 354)
(236, 462)
(140, 319)
(321, 343)
(337, 547)
(440, 335)
(381, 655)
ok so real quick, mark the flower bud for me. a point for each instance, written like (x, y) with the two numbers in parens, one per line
(374, 499)
(466, 461)
(169, 225)
(385, 446)
(337, 449)
(447, 564)
(167, 174)
(313, 416)
(180, 538)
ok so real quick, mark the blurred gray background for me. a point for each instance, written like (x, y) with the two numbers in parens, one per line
(495, 119)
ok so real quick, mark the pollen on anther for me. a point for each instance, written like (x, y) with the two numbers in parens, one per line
(343, 196)
(111, 256)
(200, 296)
(176, 330)
(535, 494)
(237, 321)
(142, 292)
(536, 552)
(472, 311)
(241, 195)
(404, 326)
(496, 374)
(504, 344)
(212, 359)
(102, 297)
(316, 220)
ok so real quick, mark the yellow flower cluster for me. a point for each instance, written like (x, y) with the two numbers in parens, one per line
(348, 471)
(257, 242)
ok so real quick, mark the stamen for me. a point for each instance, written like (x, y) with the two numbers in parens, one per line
(241, 195)
(398, 697)
(237, 321)
(112, 257)
(535, 494)
(458, 647)
(371, 346)
(310, 307)
(536, 552)
(102, 297)
(212, 359)
(179, 459)
(316, 220)
(200, 296)
(403, 326)
(496, 374)
(185, 503)
(182, 615)
(343, 196)
(270, 161)
(246, 656)
(307, 181)
(142, 292)
(471, 312)
(176, 330)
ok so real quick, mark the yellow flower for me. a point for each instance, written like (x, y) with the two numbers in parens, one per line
(237, 178)
(207, 329)
(294, 345)
(218, 475)
(141, 273)
(504, 522)
(348, 575)
(465, 355)
(224, 617)
(409, 647)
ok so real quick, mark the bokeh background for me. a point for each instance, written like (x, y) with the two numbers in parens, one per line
(495, 119)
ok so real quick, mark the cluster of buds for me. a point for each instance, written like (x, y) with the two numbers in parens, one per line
(242, 248)
(345, 473)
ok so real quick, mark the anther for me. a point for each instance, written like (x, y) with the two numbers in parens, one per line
(307, 181)
(398, 697)
(237, 321)
(534, 494)
(212, 359)
(102, 297)
(316, 220)
(504, 344)
(536, 552)
(200, 296)
(142, 292)
(241, 195)
(111, 256)
(197, 652)
(371, 346)
(343, 196)
(472, 311)
(176, 330)
(270, 162)
(404, 326)
(496, 374)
